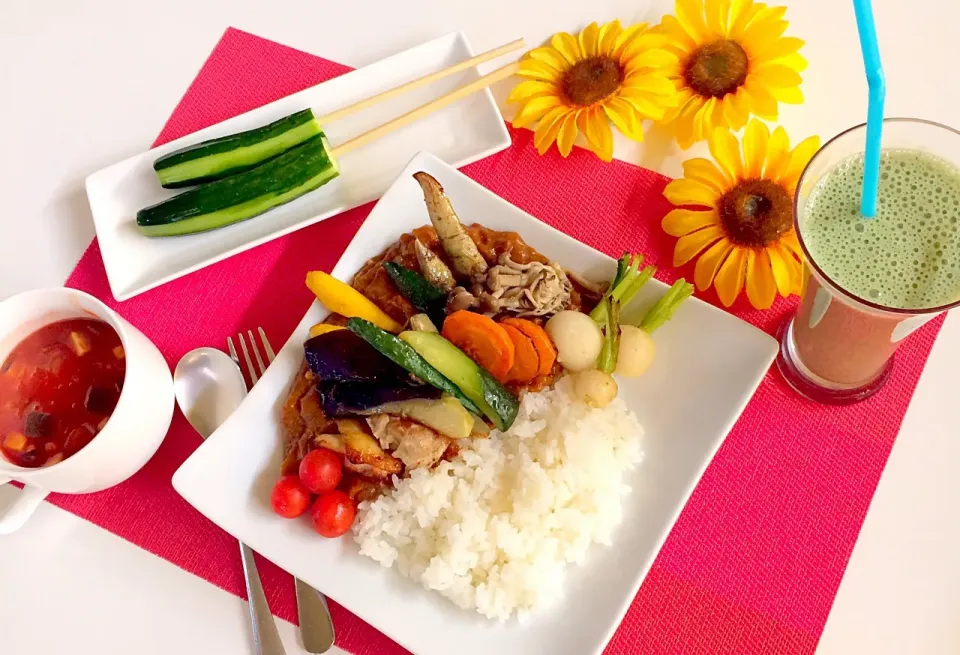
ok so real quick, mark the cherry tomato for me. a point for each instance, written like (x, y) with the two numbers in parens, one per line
(290, 498)
(321, 470)
(333, 514)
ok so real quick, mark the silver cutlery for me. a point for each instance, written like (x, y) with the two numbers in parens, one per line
(316, 625)
(209, 386)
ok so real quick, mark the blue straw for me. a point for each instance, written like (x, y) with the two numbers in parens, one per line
(878, 94)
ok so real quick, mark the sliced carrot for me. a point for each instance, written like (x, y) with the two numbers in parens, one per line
(485, 342)
(545, 348)
(526, 361)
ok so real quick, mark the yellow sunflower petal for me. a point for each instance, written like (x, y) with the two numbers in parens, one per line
(683, 122)
(791, 96)
(782, 47)
(531, 89)
(690, 15)
(729, 279)
(755, 139)
(792, 244)
(624, 116)
(567, 133)
(716, 12)
(742, 13)
(799, 157)
(690, 245)
(726, 152)
(607, 37)
(781, 269)
(706, 172)
(762, 102)
(548, 128)
(535, 109)
(645, 107)
(761, 285)
(710, 262)
(774, 75)
(794, 61)
(650, 58)
(588, 40)
(643, 85)
(681, 222)
(568, 46)
(551, 57)
(594, 126)
(778, 154)
(703, 120)
(736, 109)
(538, 70)
(688, 192)
(627, 36)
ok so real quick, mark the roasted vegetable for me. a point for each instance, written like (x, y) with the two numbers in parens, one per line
(607, 362)
(351, 398)
(466, 258)
(577, 338)
(595, 388)
(434, 270)
(626, 283)
(445, 415)
(343, 299)
(342, 356)
(422, 323)
(484, 341)
(546, 351)
(424, 296)
(363, 455)
(663, 310)
(496, 401)
(323, 328)
(402, 354)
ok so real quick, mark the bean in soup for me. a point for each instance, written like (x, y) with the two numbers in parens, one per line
(58, 388)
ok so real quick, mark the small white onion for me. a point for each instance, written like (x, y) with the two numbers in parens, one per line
(636, 353)
(577, 338)
(595, 388)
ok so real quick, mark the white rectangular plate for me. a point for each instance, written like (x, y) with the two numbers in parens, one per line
(709, 363)
(461, 133)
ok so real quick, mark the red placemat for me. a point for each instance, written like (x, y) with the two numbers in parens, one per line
(752, 565)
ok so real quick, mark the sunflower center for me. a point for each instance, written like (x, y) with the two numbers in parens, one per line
(592, 80)
(717, 68)
(756, 213)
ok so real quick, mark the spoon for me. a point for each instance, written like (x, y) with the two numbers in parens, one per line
(209, 386)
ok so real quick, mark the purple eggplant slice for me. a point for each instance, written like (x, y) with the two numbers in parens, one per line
(342, 356)
(352, 398)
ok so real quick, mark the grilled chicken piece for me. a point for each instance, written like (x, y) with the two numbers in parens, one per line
(330, 441)
(434, 270)
(414, 444)
(363, 455)
(458, 245)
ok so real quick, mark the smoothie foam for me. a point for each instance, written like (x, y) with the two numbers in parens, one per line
(908, 257)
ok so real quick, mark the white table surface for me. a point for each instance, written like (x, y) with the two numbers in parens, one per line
(84, 84)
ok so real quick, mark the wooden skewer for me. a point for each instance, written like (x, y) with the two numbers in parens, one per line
(425, 109)
(421, 81)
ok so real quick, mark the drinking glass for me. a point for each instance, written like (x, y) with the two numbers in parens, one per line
(839, 348)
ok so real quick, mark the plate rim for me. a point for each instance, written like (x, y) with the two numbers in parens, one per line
(767, 347)
(139, 285)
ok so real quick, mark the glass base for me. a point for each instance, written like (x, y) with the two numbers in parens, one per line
(809, 385)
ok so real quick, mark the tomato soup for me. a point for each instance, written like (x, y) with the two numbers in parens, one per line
(58, 387)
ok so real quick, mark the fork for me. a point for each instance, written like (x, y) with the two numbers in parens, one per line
(316, 625)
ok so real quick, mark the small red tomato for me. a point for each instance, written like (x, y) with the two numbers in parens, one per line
(321, 470)
(290, 498)
(333, 514)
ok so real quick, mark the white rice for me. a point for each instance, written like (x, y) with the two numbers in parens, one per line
(494, 529)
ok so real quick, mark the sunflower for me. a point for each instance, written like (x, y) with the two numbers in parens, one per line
(732, 61)
(744, 221)
(583, 83)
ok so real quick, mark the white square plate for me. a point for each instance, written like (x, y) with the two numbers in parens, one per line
(706, 359)
(461, 133)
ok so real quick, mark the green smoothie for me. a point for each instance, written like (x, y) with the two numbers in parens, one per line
(908, 257)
